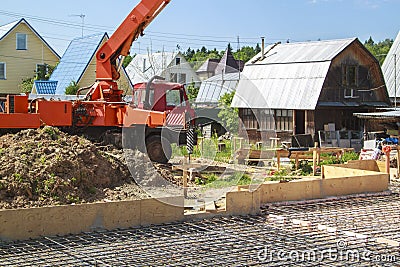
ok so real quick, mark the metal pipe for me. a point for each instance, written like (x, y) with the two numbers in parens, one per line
(262, 48)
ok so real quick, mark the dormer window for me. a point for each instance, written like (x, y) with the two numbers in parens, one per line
(22, 41)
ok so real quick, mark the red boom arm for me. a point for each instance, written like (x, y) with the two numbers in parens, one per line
(119, 44)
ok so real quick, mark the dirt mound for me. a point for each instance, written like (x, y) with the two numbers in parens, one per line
(48, 167)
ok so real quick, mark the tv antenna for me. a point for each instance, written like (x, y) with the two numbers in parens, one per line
(82, 16)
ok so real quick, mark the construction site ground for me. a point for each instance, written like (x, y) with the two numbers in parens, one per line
(350, 231)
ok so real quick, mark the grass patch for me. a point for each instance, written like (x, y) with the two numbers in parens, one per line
(235, 179)
(207, 149)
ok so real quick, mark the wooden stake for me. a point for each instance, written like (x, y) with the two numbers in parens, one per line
(185, 182)
(398, 161)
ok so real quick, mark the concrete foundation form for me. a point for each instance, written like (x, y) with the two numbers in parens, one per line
(64, 220)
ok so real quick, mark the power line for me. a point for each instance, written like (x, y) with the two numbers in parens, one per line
(168, 35)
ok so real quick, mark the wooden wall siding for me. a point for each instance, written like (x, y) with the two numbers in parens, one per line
(22, 63)
(343, 118)
(369, 76)
(251, 129)
(310, 122)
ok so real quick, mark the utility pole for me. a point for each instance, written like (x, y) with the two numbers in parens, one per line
(82, 16)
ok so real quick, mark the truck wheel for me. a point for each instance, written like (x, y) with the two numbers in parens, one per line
(158, 149)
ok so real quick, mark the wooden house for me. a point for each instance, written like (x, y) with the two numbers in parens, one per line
(24, 52)
(304, 88)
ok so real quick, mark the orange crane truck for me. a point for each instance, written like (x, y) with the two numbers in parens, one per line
(147, 120)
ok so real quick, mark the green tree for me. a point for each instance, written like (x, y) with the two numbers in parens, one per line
(127, 60)
(228, 115)
(43, 73)
(72, 88)
(26, 85)
(380, 49)
(192, 91)
(245, 53)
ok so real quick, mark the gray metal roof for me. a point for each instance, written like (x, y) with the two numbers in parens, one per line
(291, 76)
(388, 68)
(213, 88)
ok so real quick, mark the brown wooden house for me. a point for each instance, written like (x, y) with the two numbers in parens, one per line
(301, 88)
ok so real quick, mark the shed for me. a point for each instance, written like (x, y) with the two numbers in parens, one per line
(301, 88)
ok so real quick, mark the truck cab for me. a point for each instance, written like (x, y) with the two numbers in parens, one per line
(165, 97)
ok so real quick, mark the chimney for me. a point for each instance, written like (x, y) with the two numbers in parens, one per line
(262, 48)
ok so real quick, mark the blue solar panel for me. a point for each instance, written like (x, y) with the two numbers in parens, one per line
(75, 60)
(46, 87)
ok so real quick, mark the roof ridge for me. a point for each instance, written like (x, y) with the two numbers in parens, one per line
(321, 41)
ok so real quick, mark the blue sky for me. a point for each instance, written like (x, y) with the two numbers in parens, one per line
(213, 23)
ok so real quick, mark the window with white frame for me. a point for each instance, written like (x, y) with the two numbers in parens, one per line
(22, 41)
(2, 71)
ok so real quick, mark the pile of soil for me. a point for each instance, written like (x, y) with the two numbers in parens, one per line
(49, 167)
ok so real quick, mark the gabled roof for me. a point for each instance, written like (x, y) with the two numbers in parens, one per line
(227, 64)
(45, 87)
(145, 66)
(209, 65)
(291, 76)
(390, 70)
(6, 29)
(76, 60)
(303, 52)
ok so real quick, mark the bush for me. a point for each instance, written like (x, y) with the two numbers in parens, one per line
(72, 88)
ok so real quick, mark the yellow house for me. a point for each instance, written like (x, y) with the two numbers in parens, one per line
(22, 52)
(78, 64)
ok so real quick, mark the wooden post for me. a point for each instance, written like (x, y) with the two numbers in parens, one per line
(387, 154)
(297, 161)
(398, 161)
(185, 182)
(278, 159)
(315, 158)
